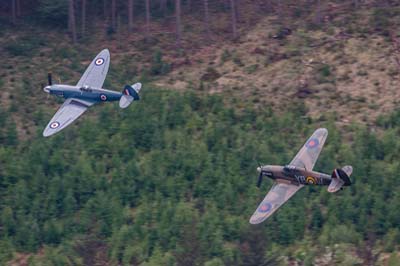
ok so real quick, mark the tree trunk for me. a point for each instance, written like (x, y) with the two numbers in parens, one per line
(113, 14)
(83, 25)
(105, 13)
(206, 19)
(237, 4)
(71, 20)
(318, 16)
(147, 19)
(178, 22)
(130, 15)
(163, 6)
(18, 7)
(233, 19)
(279, 8)
(13, 11)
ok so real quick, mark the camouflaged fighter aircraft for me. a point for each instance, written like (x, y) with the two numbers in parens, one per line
(290, 178)
(86, 93)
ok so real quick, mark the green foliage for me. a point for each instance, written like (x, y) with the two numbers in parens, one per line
(236, 59)
(394, 259)
(63, 255)
(53, 11)
(6, 250)
(170, 183)
(24, 46)
(325, 70)
(210, 75)
(158, 66)
(225, 56)
(251, 69)
(381, 18)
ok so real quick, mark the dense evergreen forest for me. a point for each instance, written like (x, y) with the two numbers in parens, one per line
(171, 180)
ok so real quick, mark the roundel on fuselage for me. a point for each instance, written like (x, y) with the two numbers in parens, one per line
(311, 180)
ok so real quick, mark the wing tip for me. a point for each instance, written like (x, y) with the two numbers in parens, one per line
(105, 50)
(322, 130)
(253, 222)
(257, 220)
(46, 133)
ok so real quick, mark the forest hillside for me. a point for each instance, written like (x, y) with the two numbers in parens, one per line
(227, 85)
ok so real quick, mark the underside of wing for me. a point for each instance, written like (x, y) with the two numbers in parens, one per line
(68, 112)
(96, 72)
(276, 197)
(308, 154)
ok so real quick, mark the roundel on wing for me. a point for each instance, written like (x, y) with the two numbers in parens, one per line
(265, 207)
(54, 125)
(312, 143)
(103, 97)
(99, 61)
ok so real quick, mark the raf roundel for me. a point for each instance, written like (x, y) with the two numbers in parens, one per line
(99, 61)
(265, 207)
(310, 180)
(312, 143)
(103, 97)
(54, 125)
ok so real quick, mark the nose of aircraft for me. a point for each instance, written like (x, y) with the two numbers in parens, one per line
(259, 169)
(46, 89)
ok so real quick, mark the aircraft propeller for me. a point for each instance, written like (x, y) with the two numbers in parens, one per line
(49, 79)
(260, 177)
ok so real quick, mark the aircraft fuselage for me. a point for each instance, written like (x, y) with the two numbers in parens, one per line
(295, 175)
(84, 93)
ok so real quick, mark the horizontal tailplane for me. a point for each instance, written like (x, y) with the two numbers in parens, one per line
(340, 178)
(130, 94)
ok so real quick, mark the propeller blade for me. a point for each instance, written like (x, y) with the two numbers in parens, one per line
(260, 177)
(49, 79)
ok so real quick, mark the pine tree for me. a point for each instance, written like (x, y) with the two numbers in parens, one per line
(71, 20)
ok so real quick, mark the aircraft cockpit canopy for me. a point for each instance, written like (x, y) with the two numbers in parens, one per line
(85, 89)
(291, 168)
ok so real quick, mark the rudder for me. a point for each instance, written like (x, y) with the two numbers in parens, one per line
(130, 94)
(340, 178)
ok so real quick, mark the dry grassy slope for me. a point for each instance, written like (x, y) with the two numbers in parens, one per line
(363, 80)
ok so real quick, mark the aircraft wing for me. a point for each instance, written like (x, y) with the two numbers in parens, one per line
(71, 109)
(309, 153)
(96, 73)
(276, 197)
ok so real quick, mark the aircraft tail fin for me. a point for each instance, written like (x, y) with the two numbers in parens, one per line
(130, 94)
(340, 178)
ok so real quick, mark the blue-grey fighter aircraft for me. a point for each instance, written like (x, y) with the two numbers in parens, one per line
(290, 178)
(86, 93)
